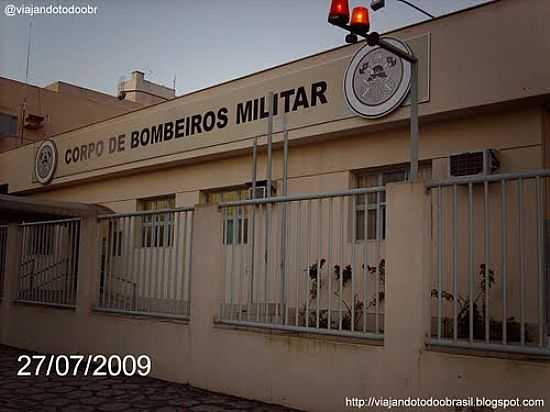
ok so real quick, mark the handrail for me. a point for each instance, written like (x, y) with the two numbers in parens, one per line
(306, 196)
(47, 222)
(489, 178)
(144, 213)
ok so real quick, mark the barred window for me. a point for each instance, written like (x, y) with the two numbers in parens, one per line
(375, 207)
(157, 230)
(235, 222)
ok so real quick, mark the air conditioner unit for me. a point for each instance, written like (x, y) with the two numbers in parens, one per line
(34, 121)
(482, 162)
(261, 192)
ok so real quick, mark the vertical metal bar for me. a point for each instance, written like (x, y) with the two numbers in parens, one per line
(503, 257)
(242, 274)
(27, 247)
(170, 242)
(99, 258)
(352, 199)
(439, 262)
(161, 269)
(74, 266)
(232, 269)
(253, 223)
(288, 218)
(366, 259)
(142, 275)
(487, 258)
(471, 260)
(343, 220)
(56, 281)
(284, 234)
(157, 242)
(267, 260)
(189, 215)
(107, 261)
(185, 286)
(414, 122)
(521, 260)
(307, 288)
(330, 260)
(148, 250)
(269, 143)
(377, 262)
(261, 259)
(175, 258)
(455, 275)
(540, 253)
(319, 241)
(297, 259)
(132, 257)
(43, 263)
(124, 242)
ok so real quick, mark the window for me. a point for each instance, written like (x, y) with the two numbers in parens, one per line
(8, 125)
(157, 230)
(235, 221)
(376, 202)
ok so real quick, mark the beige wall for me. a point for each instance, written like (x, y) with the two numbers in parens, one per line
(64, 106)
(317, 167)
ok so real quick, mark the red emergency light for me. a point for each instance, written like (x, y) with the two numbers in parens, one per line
(339, 12)
(360, 19)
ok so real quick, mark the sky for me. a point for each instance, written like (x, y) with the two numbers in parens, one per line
(199, 42)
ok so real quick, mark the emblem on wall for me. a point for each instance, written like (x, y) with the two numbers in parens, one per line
(377, 81)
(45, 161)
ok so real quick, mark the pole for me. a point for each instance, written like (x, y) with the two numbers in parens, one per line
(253, 225)
(374, 39)
(268, 208)
(414, 122)
(284, 222)
(269, 143)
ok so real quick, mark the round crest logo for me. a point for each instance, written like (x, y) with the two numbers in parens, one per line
(45, 161)
(377, 81)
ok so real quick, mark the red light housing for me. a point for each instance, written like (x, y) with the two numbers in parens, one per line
(339, 12)
(360, 19)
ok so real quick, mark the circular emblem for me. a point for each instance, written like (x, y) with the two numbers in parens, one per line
(45, 161)
(377, 81)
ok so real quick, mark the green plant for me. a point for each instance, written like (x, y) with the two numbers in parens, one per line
(357, 307)
(486, 280)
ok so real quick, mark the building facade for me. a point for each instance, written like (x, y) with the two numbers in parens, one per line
(442, 281)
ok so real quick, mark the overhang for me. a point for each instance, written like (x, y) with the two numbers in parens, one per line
(15, 209)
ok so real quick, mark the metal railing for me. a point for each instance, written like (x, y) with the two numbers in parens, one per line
(48, 262)
(3, 250)
(490, 284)
(302, 262)
(145, 262)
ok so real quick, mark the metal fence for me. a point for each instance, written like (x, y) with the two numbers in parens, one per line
(3, 249)
(308, 263)
(48, 262)
(145, 262)
(490, 284)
